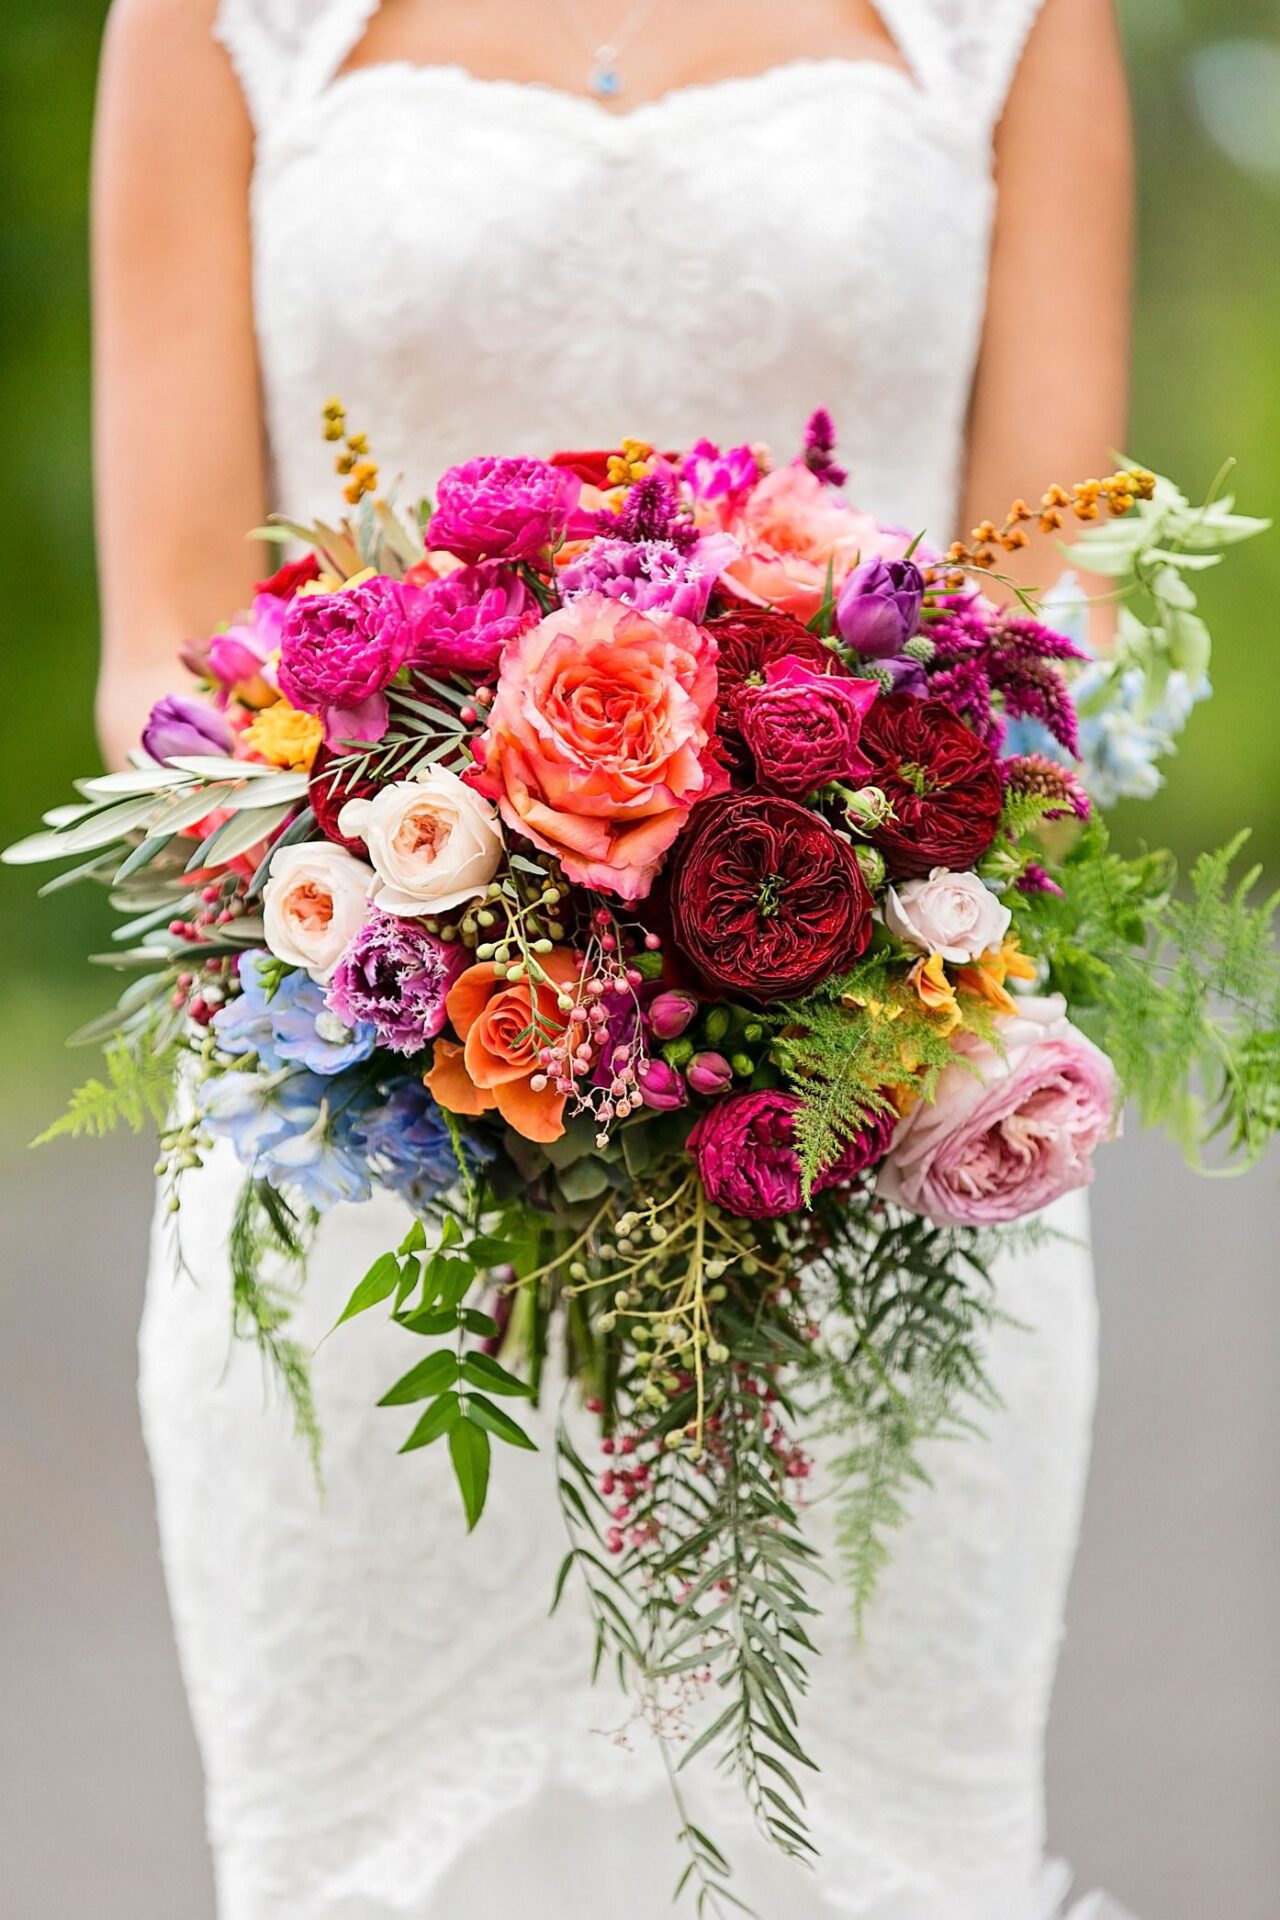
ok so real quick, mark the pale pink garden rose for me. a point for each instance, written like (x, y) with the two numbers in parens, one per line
(598, 740)
(1008, 1133)
(314, 903)
(953, 914)
(434, 843)
(795, 533)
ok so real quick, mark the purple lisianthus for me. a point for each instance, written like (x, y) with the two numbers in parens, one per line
(340, 651)
(495, 509)
(713, 475)
(289, 1026)
(878, 608)
(395, 976)
(744, 1147)
(179, 724)
(462, 623)
(651, 575)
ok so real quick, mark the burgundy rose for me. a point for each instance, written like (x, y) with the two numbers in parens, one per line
(943, 782)
(766, 900)
(329, 791)
(340, 651)
(750, 640)
(492, 509)
(462, 623)
(802, 726)
(284, 583)
(745, 1152)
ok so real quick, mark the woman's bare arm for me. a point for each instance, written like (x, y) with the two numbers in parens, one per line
(177, 422)
(1050, 399)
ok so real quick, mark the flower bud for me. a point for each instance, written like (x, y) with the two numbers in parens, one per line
(678, 1053)
(661, 1086)
(878, 608)
(717, 1023)
(670, 1014)
(871, 862)
(710, 1073)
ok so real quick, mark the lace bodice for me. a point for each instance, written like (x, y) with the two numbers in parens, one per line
(479, 264)
(392, 1728)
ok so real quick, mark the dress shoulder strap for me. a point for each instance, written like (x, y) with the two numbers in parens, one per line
(286, 50)
(966, 49)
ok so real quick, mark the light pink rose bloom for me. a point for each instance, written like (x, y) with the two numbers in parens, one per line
(598, 741)
(953, 914)
(1007, 1134)
(793, 532)
(314, 903)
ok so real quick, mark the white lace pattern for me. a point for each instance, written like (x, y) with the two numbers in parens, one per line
(392, 1728)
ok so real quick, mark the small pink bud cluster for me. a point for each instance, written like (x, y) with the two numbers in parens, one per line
(201, 992)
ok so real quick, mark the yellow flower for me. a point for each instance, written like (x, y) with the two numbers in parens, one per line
(935, 991)
(986, 975)
(284, 737)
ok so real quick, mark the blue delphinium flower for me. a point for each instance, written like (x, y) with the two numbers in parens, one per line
(291, 1027)
(292, 1128)
(406, 1140)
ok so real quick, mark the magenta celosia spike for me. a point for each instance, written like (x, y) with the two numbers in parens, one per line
(820, 447)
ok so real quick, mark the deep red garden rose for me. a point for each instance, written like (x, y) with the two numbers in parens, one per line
(750, 640)
(943, 782)
(803, 725)
(329, 791)
(766, 900)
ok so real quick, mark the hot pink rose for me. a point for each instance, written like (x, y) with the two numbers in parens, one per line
(795, 532)
(597, 743)
(1008, 1133)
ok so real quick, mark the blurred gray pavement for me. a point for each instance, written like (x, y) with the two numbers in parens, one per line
(1165, 1748)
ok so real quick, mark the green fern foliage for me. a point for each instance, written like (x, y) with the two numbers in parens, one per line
(843, 1046)
(136, 1093)
(265, 1229)
(1180, 986)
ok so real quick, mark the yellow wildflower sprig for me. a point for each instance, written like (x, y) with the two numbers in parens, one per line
(1085, 501)
(354, 462)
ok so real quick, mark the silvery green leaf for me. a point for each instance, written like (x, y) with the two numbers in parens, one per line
(282, 788)
(220, 766)
(1189, 561)
(36, 847)
(1190, 647)
(66, 815)
(1170, 587)
(143, 854)
(108, 824)
(99, 867)
(244, 830)
(298, 829)
(107, 786)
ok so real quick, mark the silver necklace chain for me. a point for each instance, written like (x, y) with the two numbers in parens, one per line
(604, 76)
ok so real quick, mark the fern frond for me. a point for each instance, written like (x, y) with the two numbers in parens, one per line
(136, 1092)
(264, 1227)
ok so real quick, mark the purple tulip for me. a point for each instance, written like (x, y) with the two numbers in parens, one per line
(178, 724)
(670, 1014)
(661, 1086)
(878, 608)
(710, 1073)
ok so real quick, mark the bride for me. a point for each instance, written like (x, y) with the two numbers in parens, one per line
(509, 225)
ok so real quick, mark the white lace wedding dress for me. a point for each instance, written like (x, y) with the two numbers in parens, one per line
(392, 1728)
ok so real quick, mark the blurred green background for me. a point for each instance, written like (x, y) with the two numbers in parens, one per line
(1206, 81)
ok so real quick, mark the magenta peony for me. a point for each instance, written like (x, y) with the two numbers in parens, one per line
(494, 509)
(1011, 1130)
(462, 623)
(745, 1152)
(340, 651)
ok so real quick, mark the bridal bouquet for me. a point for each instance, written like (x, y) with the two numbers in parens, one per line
(689, 896)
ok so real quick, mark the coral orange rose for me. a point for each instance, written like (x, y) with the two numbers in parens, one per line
(598, 740)
(503, 1024)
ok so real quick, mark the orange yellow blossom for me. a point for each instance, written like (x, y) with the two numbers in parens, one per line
(503, 1025)
(986, 975)
(284, 737)
(935, 992)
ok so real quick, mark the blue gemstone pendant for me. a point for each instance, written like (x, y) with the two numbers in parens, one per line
(604, 80)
